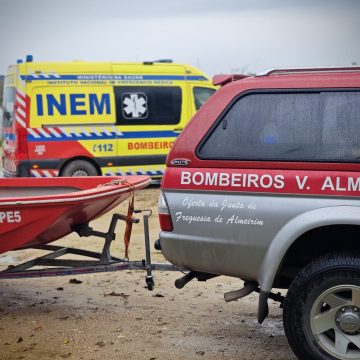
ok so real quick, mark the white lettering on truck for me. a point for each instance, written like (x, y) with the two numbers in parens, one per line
(10, 217)
(338, 184)
(252, 181)
(232, 179)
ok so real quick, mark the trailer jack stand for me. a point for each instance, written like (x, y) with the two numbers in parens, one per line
(147, 263)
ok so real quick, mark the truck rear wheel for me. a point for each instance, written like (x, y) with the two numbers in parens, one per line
(79, 168)
(322, 309)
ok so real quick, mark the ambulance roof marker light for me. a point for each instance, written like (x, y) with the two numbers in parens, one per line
(29, 58)
(162, 61)
(19, 61)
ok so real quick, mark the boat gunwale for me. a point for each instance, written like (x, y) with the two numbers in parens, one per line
(104, 190)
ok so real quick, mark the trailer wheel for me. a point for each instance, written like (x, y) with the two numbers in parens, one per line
(79, 168)
(322, 309)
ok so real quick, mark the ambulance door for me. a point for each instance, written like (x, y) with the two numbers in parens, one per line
(149, 119)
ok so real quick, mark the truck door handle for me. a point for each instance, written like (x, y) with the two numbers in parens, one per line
(178, 129)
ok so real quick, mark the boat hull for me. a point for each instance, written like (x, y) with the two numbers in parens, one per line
(34, 212)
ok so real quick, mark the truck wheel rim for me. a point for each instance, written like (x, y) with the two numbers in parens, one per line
(335, 321)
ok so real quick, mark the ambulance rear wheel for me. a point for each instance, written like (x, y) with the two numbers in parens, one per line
(79, 168)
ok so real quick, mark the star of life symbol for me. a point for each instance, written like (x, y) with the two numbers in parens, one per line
(40, 149)
(135, 106)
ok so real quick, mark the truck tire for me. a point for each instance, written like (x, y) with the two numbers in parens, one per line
(79, 168)
(322, 309)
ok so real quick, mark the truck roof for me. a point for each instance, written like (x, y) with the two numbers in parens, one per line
(204, 119)
(295, 73)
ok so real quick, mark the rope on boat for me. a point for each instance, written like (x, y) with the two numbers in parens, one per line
(129, 216)
(129, 222)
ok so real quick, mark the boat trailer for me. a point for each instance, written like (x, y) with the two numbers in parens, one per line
(96, 262)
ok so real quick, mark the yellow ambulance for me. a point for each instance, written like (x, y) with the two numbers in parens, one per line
(83, 118)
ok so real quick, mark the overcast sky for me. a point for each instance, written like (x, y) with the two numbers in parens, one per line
(218, 36)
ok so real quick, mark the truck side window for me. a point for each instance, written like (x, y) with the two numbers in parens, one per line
(201, 95)
(148, 105)
(341, 132)
(267, 126)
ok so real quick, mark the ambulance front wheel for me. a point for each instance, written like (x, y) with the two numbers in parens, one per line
(79, 168)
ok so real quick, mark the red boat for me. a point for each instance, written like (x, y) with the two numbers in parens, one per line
(37, 211)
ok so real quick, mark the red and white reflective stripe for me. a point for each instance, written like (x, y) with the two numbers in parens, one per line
(47, 133)
(33, 133)
(85, 132)
(105, 131)
(20, 121)
(54, 131)
(21, 108)
(44, 173)
(20, 98)
(43, 132)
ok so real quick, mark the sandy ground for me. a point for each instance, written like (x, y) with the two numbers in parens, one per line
(113, 315)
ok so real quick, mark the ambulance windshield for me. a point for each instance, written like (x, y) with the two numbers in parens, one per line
(8, 106)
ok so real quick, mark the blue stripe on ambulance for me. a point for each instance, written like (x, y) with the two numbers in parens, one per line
(69, 136)
(148, 134)
(153, 173)
(104, 77)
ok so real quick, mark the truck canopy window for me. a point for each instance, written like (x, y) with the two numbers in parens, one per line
(314, 126)
(341, 131)
(267, 127)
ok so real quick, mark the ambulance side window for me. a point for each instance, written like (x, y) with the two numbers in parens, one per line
(201, 95)
(148, 105)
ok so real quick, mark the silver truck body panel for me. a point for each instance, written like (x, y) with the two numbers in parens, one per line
(242, 234)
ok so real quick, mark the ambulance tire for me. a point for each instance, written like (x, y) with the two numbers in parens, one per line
(79, 168)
